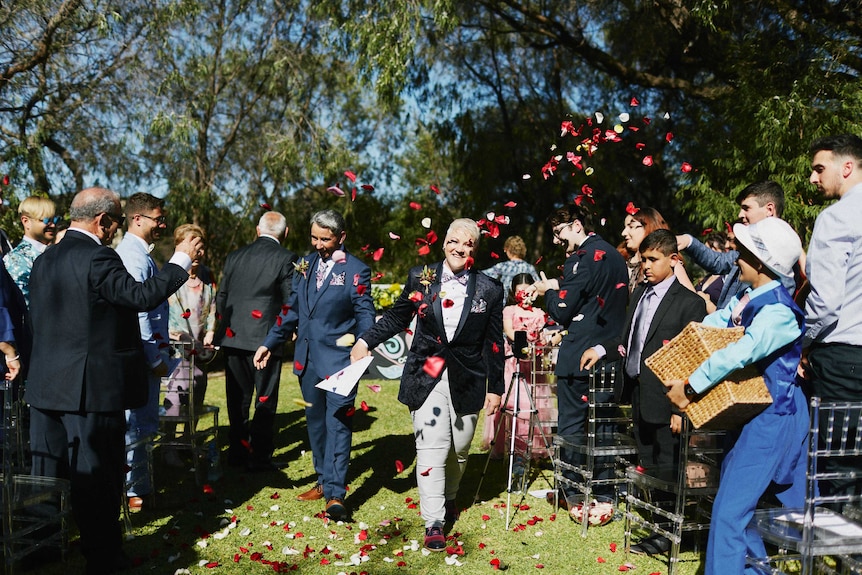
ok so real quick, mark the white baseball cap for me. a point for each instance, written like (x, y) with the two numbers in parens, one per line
(774, 243)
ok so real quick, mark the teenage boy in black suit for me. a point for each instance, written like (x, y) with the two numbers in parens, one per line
(658, 310)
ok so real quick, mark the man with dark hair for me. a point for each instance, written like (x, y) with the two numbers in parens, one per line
(331, 300)
(88, 366)
(756, 201)
(658, 310)
(589, 302)
(256, 282)
(146, 221)
(833, 310)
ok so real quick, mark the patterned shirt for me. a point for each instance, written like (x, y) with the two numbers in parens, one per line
(507, 270)
(19, 263)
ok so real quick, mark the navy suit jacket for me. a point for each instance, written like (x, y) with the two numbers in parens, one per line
(256, 282)
(679, 307)
(474, 356)
(343, 305)
(591, 301)
(87, 351)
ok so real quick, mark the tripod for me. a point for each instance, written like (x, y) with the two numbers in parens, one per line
(517, 473)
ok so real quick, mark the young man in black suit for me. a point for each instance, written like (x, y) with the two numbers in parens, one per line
(88, 365)
(658, 310)
(589, 302)
(256, 282)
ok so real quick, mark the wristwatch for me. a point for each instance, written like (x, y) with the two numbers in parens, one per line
(689, 390)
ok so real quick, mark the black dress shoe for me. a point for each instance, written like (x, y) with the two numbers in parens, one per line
(652, 545)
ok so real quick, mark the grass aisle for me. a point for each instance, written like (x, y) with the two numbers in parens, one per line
(251, 523)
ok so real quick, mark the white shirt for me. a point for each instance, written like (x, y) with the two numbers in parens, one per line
(456, 293)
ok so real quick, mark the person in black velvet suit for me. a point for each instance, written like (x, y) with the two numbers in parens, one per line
(454, 367)
(88, 365)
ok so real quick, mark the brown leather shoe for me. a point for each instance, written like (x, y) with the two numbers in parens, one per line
(312, 494)
(336, 510)
(135, 503)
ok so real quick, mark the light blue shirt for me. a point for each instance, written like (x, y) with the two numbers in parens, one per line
(833, 310)
(773, 327)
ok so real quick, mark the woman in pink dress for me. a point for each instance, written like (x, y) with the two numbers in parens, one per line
(519, 316)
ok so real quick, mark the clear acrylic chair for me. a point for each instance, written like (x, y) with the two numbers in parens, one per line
(185, 422)
(598, 456)
(672, 500)
(35, 510)
(830, 524)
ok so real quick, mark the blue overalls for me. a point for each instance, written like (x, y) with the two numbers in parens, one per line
(769, 448)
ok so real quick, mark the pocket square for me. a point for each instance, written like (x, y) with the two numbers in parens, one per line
(337, 279)
(479, 306)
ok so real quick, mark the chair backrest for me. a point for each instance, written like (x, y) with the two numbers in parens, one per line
(836, 432)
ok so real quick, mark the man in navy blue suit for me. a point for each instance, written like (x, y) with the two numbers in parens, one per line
(589, 302)
(331, 298)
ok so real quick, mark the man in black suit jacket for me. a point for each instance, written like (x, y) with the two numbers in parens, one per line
(659, 309)
(590, 304)
(256, 283)
(88, 365)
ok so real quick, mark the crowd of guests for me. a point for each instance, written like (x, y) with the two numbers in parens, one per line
(102, 320)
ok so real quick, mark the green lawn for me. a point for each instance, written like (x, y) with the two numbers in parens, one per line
(192, 528)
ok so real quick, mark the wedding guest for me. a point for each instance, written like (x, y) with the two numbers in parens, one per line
(89, 365)
(515, 250)
(192, 320)
(40, 226)
(639, 223)
(521, 315)
(454, 367)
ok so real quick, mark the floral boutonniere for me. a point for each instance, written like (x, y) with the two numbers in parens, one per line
(302, 267)
(427, 277)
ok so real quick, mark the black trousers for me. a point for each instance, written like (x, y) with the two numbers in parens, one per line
(836, 374)
(89, 450)
(243, 384)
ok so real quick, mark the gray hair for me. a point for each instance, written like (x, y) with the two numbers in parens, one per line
(90, 202)
(466, 225)
(272, 224)
(329, 219)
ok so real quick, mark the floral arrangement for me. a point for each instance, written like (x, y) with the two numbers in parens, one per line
(384, 296)
(427, 277)
(302, 267)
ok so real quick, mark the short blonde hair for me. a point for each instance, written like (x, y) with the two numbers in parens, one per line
(185, 230)
(516, 247)
(37, 207)
(466, 225)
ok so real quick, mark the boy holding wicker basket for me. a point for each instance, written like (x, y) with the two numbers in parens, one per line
(769, 451)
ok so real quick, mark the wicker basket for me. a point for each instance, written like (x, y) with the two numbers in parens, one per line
(729, 404)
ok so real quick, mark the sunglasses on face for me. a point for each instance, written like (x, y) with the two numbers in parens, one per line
(52, 221)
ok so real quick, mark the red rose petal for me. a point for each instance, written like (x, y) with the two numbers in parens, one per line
(495, 256)
(378, 253)
(399, 467)
(256, 314)
(631, 209)
(415, 206)
(364, 406)
(298, 366)
(361, 289)
(510, 204)
(350, 411)
(229, 332)
(263, 398)
(435, 189)
(613, 547)
(336, 191)
(424, 250)
(563, 293)
(266, 206)
(598, 255)
(495, 348)
(685, 168)
(621, 285)
(433, 366)
(426, 472)
(350, 176)
(447, 303)
(647, 161)
(600, 560)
